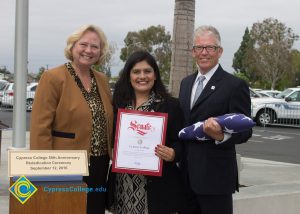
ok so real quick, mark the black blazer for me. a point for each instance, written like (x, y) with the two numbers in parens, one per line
(211, 168)
(166, 194)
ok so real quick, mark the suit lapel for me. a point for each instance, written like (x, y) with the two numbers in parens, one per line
(211, 86)
(190, 84)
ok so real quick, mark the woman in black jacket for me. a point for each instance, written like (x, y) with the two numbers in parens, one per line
(140, 88)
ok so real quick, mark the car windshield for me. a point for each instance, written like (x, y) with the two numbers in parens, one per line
(2, 85)
(283, 94)
(254, 94)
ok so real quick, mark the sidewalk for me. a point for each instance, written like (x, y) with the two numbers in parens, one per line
(270, 187)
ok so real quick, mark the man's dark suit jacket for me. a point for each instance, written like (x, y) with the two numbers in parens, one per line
(211, 168)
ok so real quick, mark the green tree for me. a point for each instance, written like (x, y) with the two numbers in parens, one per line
(271, 55)
(155, 40)
(241, 64)
(5, 72)
(241, 76)
(296, 67)
(106, 65)
(41, 71)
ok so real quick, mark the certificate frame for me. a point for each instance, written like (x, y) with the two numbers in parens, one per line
(137, 134)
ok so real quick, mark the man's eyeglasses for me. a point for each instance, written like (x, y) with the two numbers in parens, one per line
(209, 48)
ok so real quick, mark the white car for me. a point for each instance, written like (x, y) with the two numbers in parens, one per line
(8, 96)
(31, 88)
(270, 93)
(285, 106)
(263, 94)
(3, 84)
(254, 94)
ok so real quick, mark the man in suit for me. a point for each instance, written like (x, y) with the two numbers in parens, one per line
(210, 166)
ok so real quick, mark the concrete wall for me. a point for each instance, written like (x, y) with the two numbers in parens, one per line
(273, 204)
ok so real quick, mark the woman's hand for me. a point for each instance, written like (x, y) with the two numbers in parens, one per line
(165, 153)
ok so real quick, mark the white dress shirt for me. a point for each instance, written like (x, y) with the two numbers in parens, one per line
(208, 75)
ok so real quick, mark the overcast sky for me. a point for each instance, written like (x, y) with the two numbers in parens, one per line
(51, 21)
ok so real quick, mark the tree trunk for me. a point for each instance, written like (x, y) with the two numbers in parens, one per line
(182, 42)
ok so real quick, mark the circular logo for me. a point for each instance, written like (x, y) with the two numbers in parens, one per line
(22, 189)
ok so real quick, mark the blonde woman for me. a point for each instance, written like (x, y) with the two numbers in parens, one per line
(72, 109)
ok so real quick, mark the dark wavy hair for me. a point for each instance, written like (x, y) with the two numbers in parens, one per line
(124, 92)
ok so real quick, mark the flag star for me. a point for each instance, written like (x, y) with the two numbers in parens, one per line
(197, 125)
(201, 138)
(181, 132)
(229, 131)
(231, 117)
(247, 118)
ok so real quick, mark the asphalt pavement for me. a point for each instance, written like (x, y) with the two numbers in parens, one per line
(6, 116)
(258, 177)
(273, 143)
(270, 164)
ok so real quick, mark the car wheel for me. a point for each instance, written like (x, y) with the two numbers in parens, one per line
(29, 103)
(265, 117)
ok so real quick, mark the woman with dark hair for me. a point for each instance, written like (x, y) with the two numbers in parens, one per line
(140, 88)
(125, 92)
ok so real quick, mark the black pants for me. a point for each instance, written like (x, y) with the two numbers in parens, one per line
(209, 204)
(215, 204)
(97, 180)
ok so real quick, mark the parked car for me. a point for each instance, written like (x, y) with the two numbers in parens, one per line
(263, 94)
(254, 94)
(269, 93)
(30, 95)
(8, 96)
(256, 89)
(3, 84)
(285, 106)
(8, 93)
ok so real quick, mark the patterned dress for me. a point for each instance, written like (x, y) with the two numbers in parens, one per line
(130, 192)
(93, 99)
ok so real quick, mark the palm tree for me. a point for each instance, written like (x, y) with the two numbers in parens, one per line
(182, 41)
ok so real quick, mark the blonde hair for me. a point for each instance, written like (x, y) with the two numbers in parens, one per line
(207, 28)
(75, 36)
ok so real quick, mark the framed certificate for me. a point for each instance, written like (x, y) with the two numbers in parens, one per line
(137, 135)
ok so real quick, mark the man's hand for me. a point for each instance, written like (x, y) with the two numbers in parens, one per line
(212, 128)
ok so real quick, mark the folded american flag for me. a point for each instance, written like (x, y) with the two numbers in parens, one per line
(230, 123)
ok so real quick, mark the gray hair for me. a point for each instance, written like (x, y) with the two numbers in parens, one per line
(210, 29)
